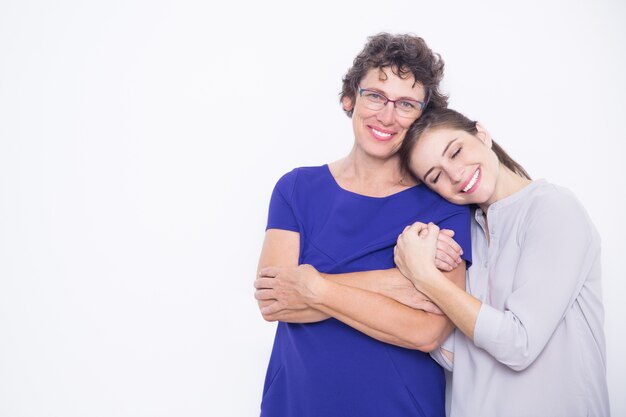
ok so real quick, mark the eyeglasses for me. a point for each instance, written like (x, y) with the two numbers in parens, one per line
(404, 107)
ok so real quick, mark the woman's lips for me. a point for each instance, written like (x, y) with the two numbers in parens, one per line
(381, 134)
(472, 183)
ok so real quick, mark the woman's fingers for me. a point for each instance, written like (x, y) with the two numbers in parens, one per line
(442, 258)
(445, 237)
(443, 266)
(273, 308)
(447, 253)
(269, 271)
(261, 283)
(263, 295)
(432, 227)
(447, 232)
(419, 226)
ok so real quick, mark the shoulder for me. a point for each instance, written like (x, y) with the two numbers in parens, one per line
(552, 200)
(425, 196)
(300, 177)
(551, 206)
(439, 204)
(430, 206)
(304, 172)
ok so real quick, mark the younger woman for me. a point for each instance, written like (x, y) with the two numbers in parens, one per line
(529, 339)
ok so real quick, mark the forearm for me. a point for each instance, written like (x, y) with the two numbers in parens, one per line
(459, 306)
(365, 280)
(309, 315)
(383, 282)
(291, 294)
(380, 317)
(306, 315)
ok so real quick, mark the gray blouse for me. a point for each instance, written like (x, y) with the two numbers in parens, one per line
(539, 342)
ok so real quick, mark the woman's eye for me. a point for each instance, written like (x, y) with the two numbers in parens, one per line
(436, 178)
(406, 105)
(458, 151)
(374, 96)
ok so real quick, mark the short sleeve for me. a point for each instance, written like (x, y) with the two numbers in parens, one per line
(281, 212)
(457, 218)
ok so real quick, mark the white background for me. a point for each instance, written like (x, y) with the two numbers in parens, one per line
(140, 142)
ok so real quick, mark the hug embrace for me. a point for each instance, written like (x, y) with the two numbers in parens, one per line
(427, 248)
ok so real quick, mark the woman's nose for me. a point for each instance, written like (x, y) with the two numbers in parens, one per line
(456, 173)
(386, 115)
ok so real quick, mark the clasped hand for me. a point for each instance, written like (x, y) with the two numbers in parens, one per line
(416, 251)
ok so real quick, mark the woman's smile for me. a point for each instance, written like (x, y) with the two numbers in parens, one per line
(381, 134)
(472, 183)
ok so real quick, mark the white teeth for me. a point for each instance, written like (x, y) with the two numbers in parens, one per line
(472, 182)
(379, 133)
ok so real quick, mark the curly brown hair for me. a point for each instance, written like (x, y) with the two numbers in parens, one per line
(405, 55)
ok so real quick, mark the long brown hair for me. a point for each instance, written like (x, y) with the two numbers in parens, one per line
(451, 119)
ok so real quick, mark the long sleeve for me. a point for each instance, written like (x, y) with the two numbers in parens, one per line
(538, 346)
(558, 246)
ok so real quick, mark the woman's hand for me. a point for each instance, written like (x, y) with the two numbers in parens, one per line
(292, 288)
(415, 252)
(448, 251)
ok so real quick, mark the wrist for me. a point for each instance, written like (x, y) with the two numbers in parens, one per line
(424, 276)
(317, 290)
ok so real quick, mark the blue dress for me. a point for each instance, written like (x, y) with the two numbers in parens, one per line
(328, 369)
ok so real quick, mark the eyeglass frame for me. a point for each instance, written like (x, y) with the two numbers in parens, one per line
(422, 104)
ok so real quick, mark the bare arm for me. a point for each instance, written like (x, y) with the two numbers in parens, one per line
(350, 298)
(300, 288)
(390, 283)
(386, 319)
(282, 248)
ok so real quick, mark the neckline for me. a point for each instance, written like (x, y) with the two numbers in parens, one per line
(514, 197)
(340, 188)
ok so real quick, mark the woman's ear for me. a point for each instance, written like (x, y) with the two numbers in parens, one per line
(346, 103)
(483, 134)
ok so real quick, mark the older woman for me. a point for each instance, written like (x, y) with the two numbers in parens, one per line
(345, 345)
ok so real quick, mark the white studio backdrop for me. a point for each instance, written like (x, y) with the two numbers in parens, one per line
(140, 141)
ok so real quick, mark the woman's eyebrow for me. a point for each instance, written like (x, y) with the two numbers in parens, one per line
(447, 146)
(428, 173)
(442, 154)
(384, 93)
